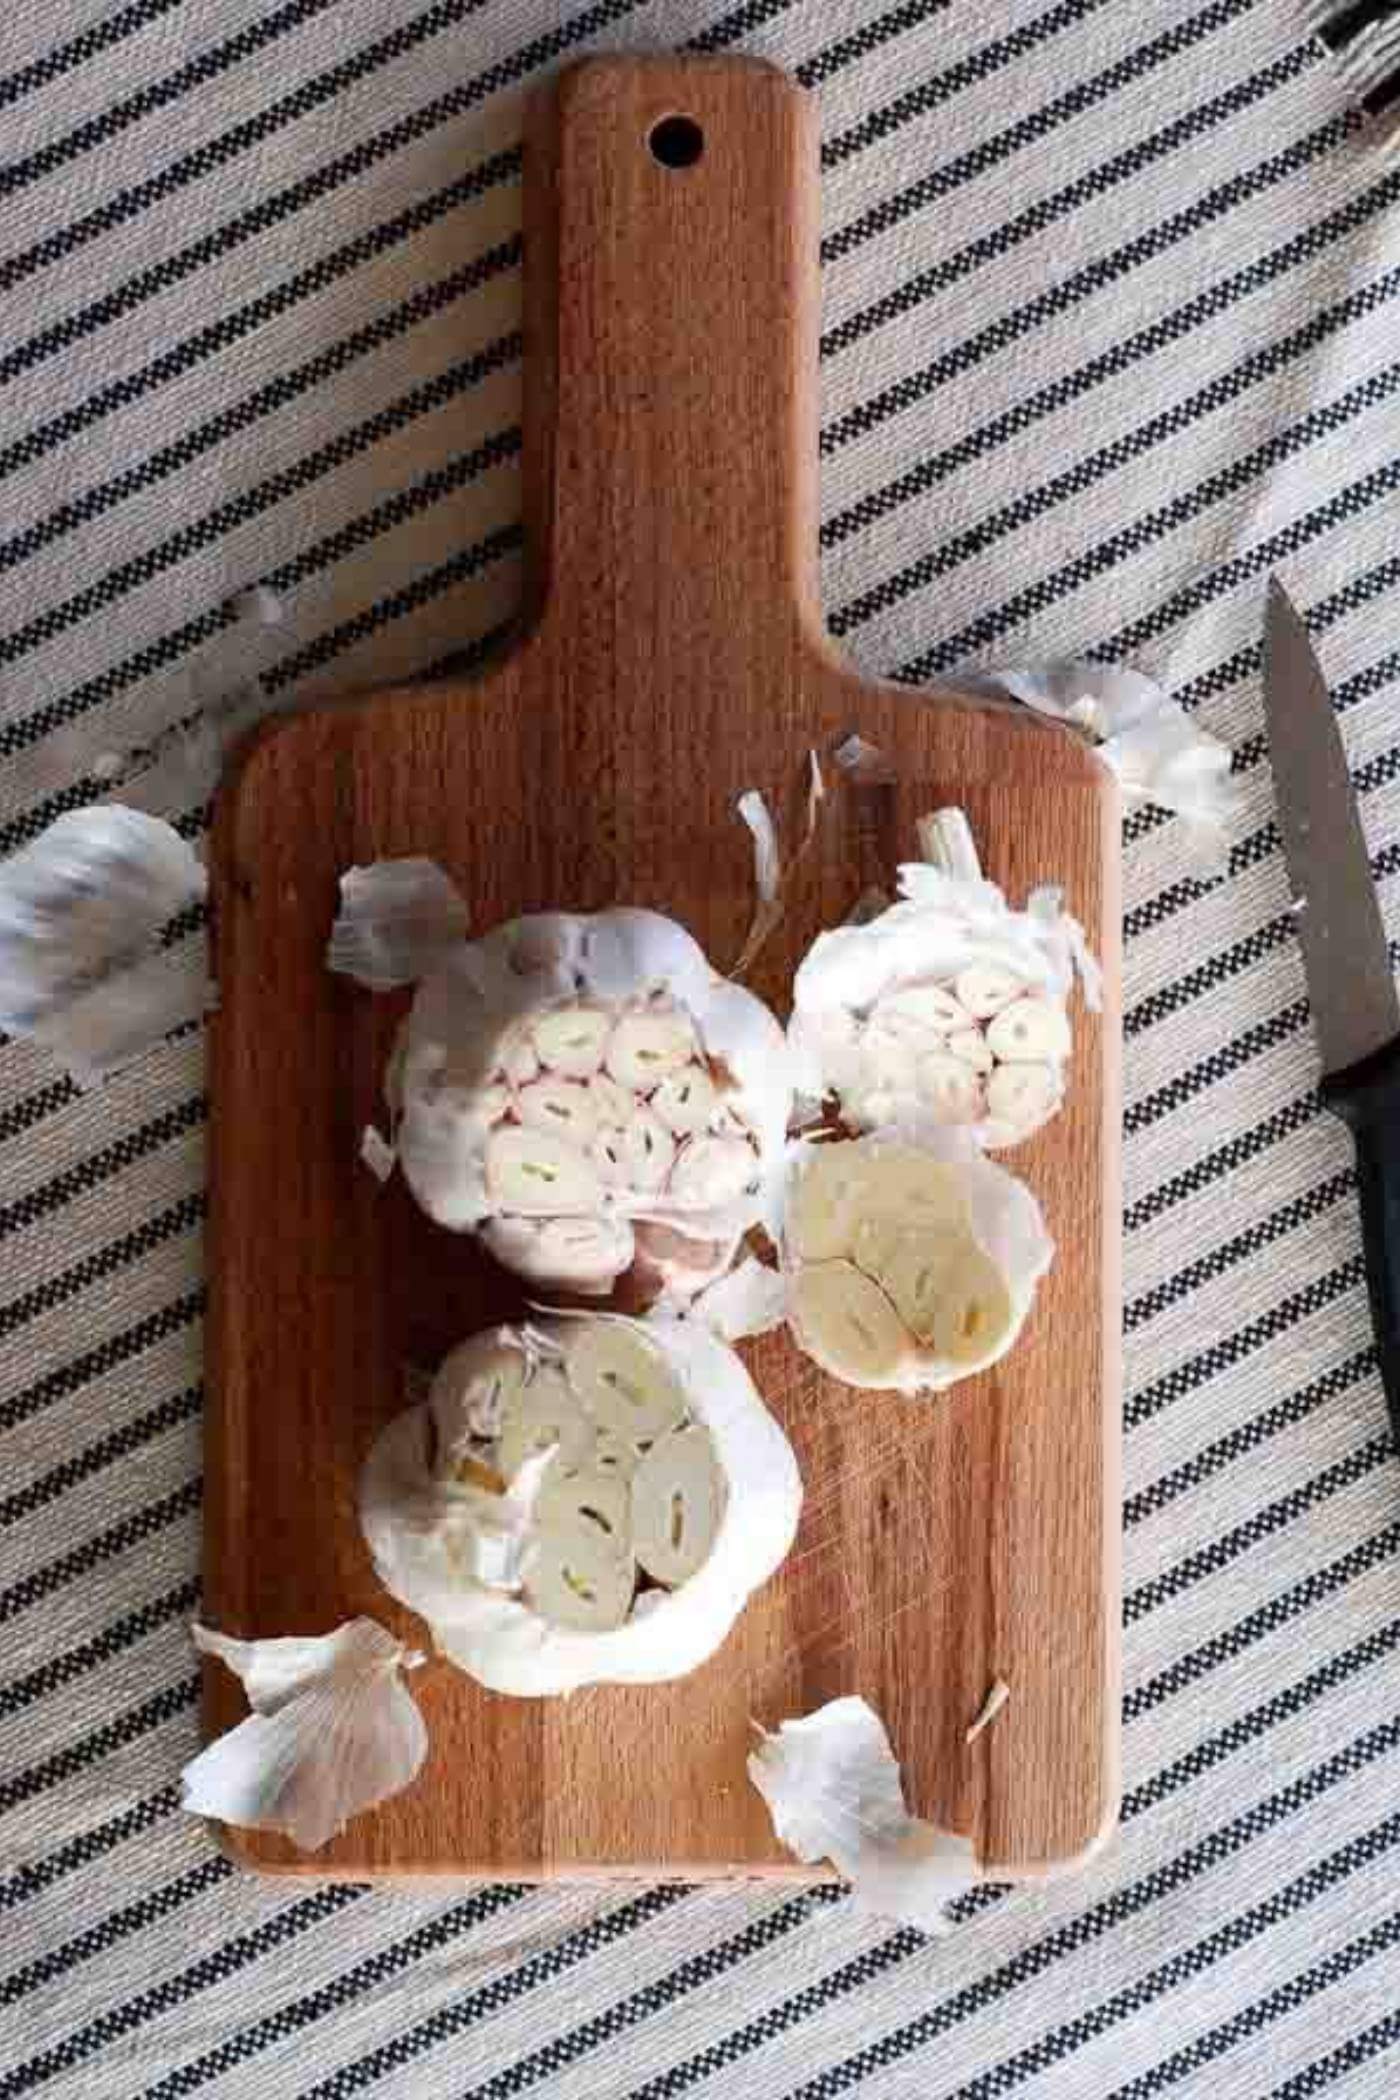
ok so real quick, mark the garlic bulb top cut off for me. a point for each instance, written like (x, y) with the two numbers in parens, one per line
(912, 1260)
(587, 1501)
(948, 1007)
(570, 1087)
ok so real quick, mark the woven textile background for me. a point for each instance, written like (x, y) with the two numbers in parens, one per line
(1111, 301)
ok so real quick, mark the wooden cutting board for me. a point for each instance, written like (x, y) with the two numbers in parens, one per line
(674, 656)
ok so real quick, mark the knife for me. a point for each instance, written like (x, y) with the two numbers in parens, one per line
(1355, 1011)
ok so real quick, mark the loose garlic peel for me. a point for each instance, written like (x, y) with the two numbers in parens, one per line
(912, 1260)
(949, 1007)
(570, 1084)
(656, 1463)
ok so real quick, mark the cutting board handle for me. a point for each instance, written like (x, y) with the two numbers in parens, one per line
(671, 341)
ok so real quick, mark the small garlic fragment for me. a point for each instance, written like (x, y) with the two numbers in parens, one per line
(846, 1324)
(571, 1040)
(560, 1105)
(647, 1047)
(537, 1174)
(686, 1101)
(677, 1503)
(624, 1380)
(578, 1578)
(985, 988)
(542, 1415)
(1030, 1031)
(712, 1171)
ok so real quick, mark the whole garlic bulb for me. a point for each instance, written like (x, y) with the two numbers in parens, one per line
(948, 1007)
(912, 1260)
(588, 1501)
(569, 1081)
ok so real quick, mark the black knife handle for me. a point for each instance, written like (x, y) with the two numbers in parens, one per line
(1367, 1097)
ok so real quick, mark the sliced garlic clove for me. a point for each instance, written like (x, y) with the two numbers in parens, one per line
(469, 1395)
(677, 1503)
(543, 1414)
(969, 1047)
(647, 1151)
(648, 1047)
(825, 1208)
(712, 1171)
(985, 988)
(686, 1101)
(950, 1090)
(581, 1254)
(624, 1381)
(560, 1105)
(846, 1324)
(914, 1191)
(572, 1040)
(591, 1494)
(973, 1311)
(612, 1104)
(616, 1454)
(576, 1578)
(915, 1274)
(1023, 1096)
(933, 1006)
(1032, 1031)
(536, 1174)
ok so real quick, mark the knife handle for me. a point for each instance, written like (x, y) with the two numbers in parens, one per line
(1367, 1097)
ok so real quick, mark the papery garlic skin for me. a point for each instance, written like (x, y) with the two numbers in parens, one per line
(912, 1260)
(948, 1006)
(594, 1069)
(659, 1463)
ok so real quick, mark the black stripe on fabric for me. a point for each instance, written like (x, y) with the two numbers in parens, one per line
(1279, 1611)
(1241, 1050)
(1154, 526)
(1218, 2041)
(36, 1876)
(90, 1173)
(134, 1917)
(46, 1100)
(89, 43)
(1236, 1152)
(100, 1742)
(16, 175)
(1231, 1349)
(863, 42)
(1275, 1516)
(132, 1530)
(376, 1970)
(65, 1379)
(1086, 94)
(123, 1633)
(429, 394)
(1264, 1232)
(1071, 387)
(1075, 481)
(1104, 270)
(1323, 2071)
(165, 275)
(53, 1291)
(1090, 1926)
(213, 154)
(278, 393)
(98, 2035)
(1238, 1443)
(184, 1406)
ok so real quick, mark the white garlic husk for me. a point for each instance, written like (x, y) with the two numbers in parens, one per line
(949, 1006)
(594, 1070)
(912, 1260)
(588, 1500)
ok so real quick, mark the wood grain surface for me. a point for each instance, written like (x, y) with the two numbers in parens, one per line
(673, 656)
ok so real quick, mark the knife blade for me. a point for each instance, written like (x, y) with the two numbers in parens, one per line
(1350, 988)
(1356, 1014)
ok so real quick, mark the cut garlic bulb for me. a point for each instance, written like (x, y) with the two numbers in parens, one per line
(629, 1444)
(677, 1503)
(568, 1066)
(912, 1014)
(912, 1260)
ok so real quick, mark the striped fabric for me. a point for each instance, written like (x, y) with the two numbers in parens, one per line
(1111, 303)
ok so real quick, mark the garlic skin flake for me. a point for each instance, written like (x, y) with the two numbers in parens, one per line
(949, 1006)
(912, 1260)
(833, 1790)
(657, 1461)
(570, 1084)
(334, 1731)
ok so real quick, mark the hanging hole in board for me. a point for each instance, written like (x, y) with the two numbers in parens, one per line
(676, 142)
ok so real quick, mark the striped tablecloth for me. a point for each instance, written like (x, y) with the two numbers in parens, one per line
(1110, 332)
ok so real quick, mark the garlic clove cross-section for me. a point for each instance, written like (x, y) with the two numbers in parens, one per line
(677, 1503)
(624, 1380)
